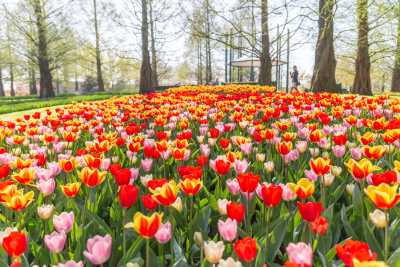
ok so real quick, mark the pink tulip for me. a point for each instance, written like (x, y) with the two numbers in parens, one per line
(233, 186)
(98, 249)
(70, 264)
(105, 164)
(54, 168)
(146, 164)
(310, 174)
(339, 151)
(47, 186)
(287, 193)
(64, 221)
(246, 148)
(134, 174)
(164, 233)
(205, 150)
(227, 229)
(44, 174)
(300, 253)
(55, 242)
(240, 166)
(356, 153)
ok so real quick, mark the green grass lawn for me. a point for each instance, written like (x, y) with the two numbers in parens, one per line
(22, 103)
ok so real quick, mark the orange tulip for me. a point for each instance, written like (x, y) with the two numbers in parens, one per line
(25, 176)
(18, 201)
(383, 196)
(68, 165)
(284, 147)
(374, 152)
(303, 188)
(91, 177)
(367, 138)
(21, 164)
(316, 136)
(165, 194)
(146, 226)
(178, 154)
(92, 161)
(361, 169)
(190, 186)
(71, 189)
(320, 166)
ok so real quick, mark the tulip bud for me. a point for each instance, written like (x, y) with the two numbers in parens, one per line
(336, 170)
(222, 206)
(211, 141)
(260, 157)
(198, 239)
(45, 211)
(213, 251)
(378, 218)
(200, 139)
(351, 145)
(325, 155)
(243, 124)
(115, 159)
(145, 179)
(350, 189)
(178, 204)
(130, 264)
(328, 179)
(269, 166)
(314, 152)
(389, 148)
(17, 151)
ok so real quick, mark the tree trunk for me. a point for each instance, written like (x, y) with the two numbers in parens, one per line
(2, 93)
(154, 61)
(12, 89)
(362, 80)
(396, 69)
(76, 82)
(145, 69)
(100, 82)
(46, 80)
(32, 81)
(265, 59)
(208, 44)
(325, 63)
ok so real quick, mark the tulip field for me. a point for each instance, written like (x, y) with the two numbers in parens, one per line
(224, 176)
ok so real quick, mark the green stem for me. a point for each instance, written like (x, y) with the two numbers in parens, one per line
(386, 236)
(147, 252)
(123, 232)
(267, 226)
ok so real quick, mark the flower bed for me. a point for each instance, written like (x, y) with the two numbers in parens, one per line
(196, 176)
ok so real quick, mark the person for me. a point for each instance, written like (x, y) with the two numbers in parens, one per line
(295, 77)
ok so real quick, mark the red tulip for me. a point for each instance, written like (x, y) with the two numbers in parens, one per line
(310, 210)
(248, 182)
(224, 143)
(190, 172)
(114, 168)
(202, 160)
(320, 225)
(148, 202)
(339, 140)
(271, 195)
(122, 176)
(235, 211)
(292, 264)
(389, 177)
(4, 171)
(128, 195)
(246, 249)
(222, 166)
(354, 249)
(15, 244)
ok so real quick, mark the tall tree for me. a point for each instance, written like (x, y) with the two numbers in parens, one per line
(154, 60)
(207, 25)
(100, 82)
(396, 69)
(46, 79)
(265, 57)
(10, 61)
(145, 69)
(362, 79)
(324, 73)
(2, 93)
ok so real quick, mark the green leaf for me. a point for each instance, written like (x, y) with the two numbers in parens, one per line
(100, 222)
(278, 236)
(394, 260)
(180, 260)
(347, 227)
(132, 251)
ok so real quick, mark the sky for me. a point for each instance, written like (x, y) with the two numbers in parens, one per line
(174, 47)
